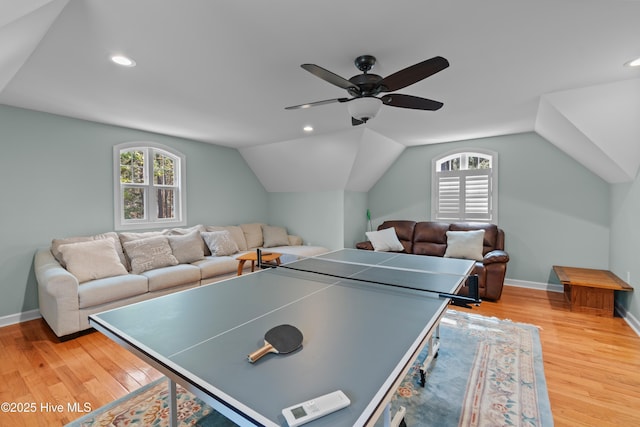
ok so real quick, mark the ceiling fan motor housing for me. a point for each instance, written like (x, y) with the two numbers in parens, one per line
(368, 85)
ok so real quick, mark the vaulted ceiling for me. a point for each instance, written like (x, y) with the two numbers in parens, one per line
(222, 72)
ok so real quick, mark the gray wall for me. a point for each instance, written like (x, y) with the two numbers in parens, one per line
(553, 210)
(333, 219)
(56, 181)
(625, 241)
(355, 218)
(317, 217)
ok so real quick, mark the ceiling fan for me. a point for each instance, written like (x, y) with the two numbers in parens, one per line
(364, 87)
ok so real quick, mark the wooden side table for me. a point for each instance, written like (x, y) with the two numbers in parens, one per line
(253, 257)
(589, 290)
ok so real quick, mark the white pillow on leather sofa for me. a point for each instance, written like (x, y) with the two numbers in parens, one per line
(385, 240)
(465, 244)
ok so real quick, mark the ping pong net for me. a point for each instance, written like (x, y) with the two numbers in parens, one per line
(440, 283)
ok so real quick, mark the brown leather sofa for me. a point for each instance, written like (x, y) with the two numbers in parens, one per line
(430, 238)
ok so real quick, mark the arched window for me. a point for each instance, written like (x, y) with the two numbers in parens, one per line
(149, 186)
(465, 186)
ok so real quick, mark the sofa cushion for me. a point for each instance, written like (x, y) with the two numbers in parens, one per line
(130, 236)
(183, 231)
(93, 259)
(253, 235)
(274, 236)
(465, 244)
(385, 240)
(212, 266)
(430, 238)
(236, 234)
(169, 277)
(55, 244)
(366, 245)
(187, 248)
(101, 291)
(220, 243)
(147, 254)
(294, 240)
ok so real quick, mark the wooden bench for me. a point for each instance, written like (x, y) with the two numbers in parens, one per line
(590, 290)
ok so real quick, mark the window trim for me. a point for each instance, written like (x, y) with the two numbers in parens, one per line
(181, 210)
(493, 179)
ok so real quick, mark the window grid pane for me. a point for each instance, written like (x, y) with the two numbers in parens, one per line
(163, 170)
(166, 203)
(132, 167)
(133, 203)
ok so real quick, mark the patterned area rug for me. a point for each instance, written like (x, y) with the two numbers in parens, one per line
(148, 406)
(488, 372)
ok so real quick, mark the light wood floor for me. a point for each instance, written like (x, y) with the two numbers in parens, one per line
(592, 366)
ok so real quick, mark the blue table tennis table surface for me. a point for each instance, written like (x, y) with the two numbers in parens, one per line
(359, 337)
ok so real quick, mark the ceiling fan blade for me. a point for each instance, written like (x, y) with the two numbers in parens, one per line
(408, 101)
(328, 76)
(413, 74)
(315, 104)
(356, 122)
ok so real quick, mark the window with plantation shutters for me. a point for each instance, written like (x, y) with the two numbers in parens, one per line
(464, 187)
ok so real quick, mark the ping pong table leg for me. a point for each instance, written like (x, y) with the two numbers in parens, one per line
(432, 352)
(173, 405)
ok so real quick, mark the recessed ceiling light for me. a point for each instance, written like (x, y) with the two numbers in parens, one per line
(123, 60)
(633, 63)
(308, 128)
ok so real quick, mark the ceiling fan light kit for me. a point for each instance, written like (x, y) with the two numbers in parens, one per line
(364, 108)
(364, 105)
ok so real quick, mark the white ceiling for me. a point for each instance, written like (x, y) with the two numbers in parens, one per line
(222, 72)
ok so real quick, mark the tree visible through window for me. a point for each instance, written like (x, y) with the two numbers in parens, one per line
(464, 187)
(149, 186)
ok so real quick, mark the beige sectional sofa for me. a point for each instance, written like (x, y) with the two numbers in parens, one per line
(79, 276)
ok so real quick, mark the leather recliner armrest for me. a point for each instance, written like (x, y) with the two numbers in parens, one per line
(365, 245)
(495, 257)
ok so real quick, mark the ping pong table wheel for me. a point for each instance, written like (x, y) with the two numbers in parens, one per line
(402, 423)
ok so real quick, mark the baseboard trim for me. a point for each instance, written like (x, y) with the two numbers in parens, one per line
(24, 316)
(633, 321)
(550, 287)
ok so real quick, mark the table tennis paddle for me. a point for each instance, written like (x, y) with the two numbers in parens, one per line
(281, 339)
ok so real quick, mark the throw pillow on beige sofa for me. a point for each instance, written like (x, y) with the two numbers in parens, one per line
(149, 254)
(93, 259)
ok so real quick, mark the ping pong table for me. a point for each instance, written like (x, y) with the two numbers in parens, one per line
(365, 319)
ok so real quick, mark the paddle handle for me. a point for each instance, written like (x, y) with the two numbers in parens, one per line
(267, 348)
